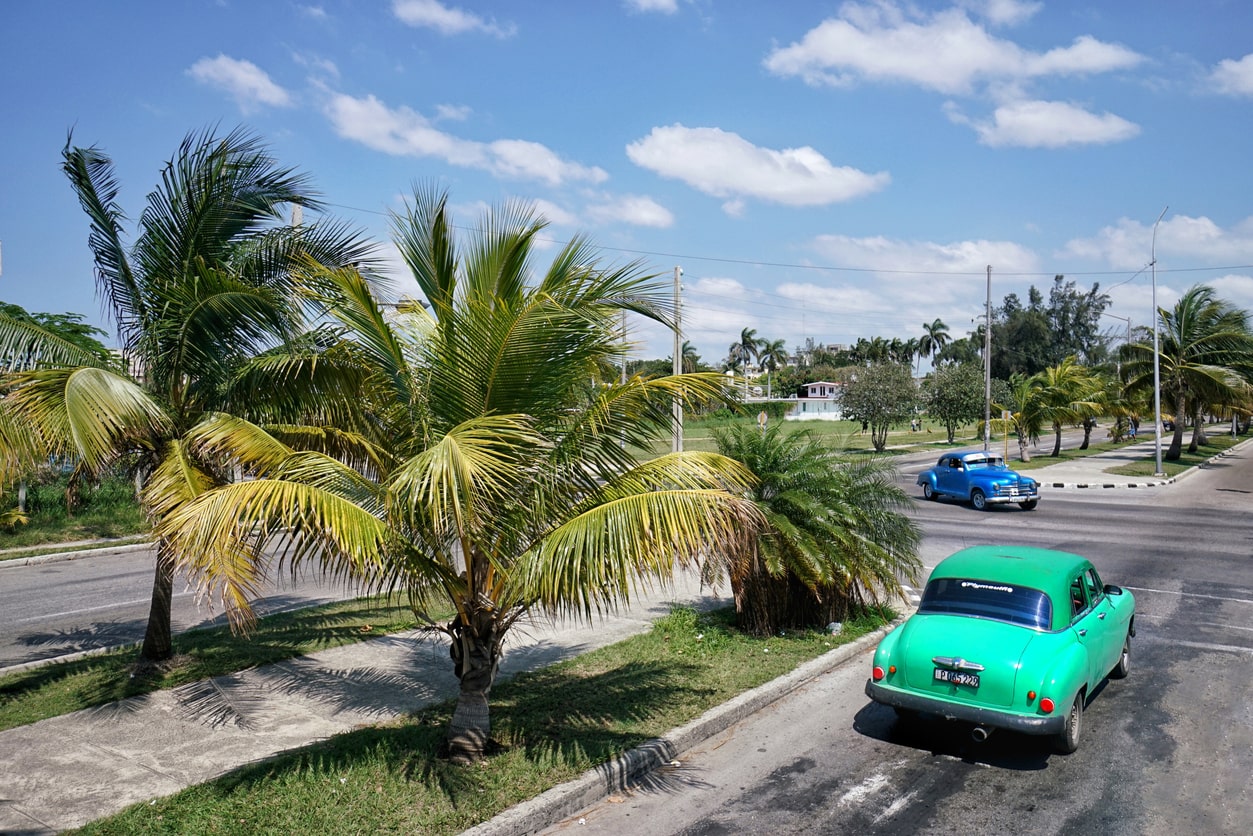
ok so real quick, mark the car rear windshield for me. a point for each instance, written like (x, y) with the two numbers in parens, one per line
(988, 599)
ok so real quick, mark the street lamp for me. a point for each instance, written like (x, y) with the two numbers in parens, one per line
(1157, 371)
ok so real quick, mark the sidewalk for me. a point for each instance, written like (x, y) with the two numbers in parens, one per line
(1090, 471)
(66, 771)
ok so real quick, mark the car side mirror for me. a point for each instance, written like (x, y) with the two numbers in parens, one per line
(1110, 589)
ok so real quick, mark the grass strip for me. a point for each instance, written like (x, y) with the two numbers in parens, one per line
(61, 688)
(1216, 443)
(552, 725)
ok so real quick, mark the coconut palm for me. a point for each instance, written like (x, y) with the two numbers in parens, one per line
(1066, 394)
(1205, 360)
(835, 534)
(744, 352)
(773, 355)
(1026, 415)
(207, 284)
(486, 472)
(934, 337)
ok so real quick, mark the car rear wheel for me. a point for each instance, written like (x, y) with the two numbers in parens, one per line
(1029, 505)
(1123, 667)
(979, 500)
(928, 492)
(1068, 741)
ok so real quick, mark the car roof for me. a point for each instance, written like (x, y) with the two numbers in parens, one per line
(1044, 569)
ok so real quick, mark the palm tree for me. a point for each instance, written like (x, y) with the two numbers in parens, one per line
(690, 358)
(1066, 395)
(1026, 415)
(1205, 360)
(208, 284)
(934, 337)
(744, 352)
(835, 532)
(484, 473)
(773, 354)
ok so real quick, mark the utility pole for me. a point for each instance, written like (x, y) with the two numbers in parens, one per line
(678, 357)
(987, 365)
(1157, 371)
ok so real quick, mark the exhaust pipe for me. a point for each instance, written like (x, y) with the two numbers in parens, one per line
(980, 733)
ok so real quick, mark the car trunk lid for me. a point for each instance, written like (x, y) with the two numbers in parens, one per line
(961, 646)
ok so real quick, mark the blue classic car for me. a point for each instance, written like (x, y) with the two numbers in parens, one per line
(1007, 637)
(980, 478)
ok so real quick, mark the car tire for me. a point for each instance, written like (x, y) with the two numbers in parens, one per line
(928, 492)
(979, 500)
(1029, 505)
(1123, 667)
(1068, 741)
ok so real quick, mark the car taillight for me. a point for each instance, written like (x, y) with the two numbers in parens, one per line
(1046, 705)
(891, 668)
(877, 673)
(1030, 696)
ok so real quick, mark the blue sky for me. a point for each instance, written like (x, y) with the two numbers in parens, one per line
(819, 170)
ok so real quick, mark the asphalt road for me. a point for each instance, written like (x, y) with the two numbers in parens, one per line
(1168, 750)
(53, 609)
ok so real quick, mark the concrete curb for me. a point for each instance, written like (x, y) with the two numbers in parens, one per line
(1155, 483)
(564, 800)
(56, 557)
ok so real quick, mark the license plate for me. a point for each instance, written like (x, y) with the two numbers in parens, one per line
(957, 677)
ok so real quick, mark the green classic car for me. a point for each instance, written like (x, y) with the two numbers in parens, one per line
(1007, 637)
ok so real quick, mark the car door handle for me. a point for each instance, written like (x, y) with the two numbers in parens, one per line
(1102, 616)
(1083, 632)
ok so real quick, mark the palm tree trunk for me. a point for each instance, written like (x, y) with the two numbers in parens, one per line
(475, 652)
(1057, 440)
(158, 638)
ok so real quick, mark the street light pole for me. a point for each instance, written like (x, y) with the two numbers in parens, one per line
(1157, 371)
(677, 446)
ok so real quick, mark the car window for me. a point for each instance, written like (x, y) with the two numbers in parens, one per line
(1078, 597)
(1093, 583)
(988, 599)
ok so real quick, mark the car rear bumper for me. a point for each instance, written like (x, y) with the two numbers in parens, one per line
(1024, 723)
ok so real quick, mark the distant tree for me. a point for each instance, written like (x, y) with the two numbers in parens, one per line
(1066, 395)
(773, 356)
(744, 352)
(881, 395)
(1021, 399)
(967, 350)
(934, 337)
(954, 395)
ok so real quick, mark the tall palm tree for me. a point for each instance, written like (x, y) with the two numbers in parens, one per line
(1066, 394)
(1205, 360)
(208, 284)
(690, 359)
(773, 354)
(483, 473)
(934, 337)
(835, 534)
(744, 352)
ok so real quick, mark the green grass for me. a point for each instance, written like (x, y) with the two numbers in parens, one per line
(552, 725)
(1148, 465)
(60, 688)
(105, 511)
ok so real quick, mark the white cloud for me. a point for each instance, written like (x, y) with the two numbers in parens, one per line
(244, 80)
(666, 7)
(1040, 124)
(725, 165)
(1128, 244)
(889, 256)
(944, 51)
(405, 132)
(637, 210)
(1234, 78)
(314, 12)
(323, 66)
(446, 20)
(1003, 12)
(452, 113)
